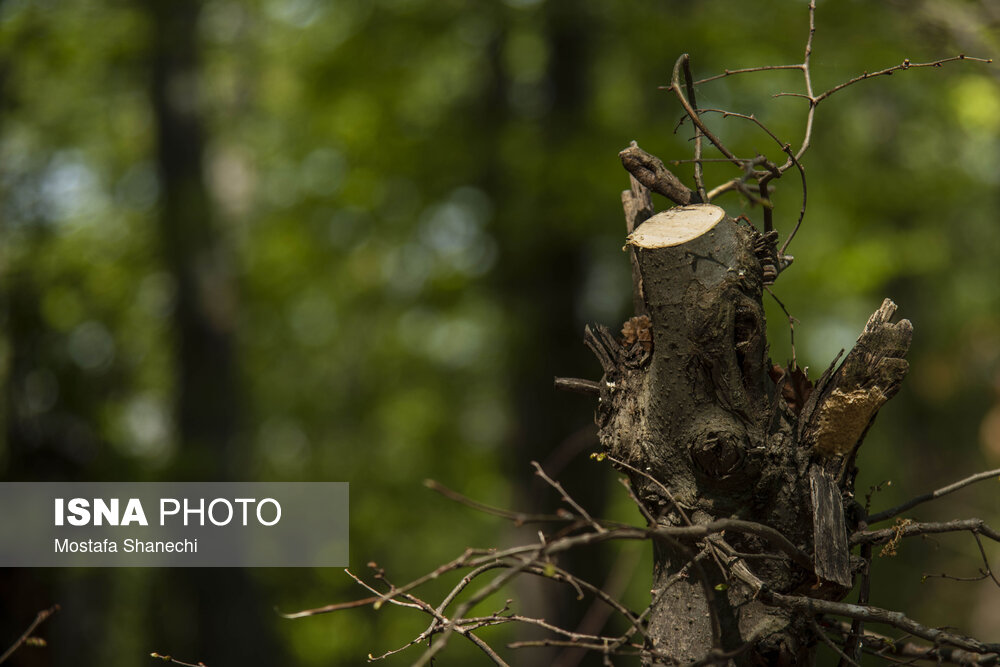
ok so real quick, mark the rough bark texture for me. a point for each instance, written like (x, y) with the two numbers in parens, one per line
(708, 429)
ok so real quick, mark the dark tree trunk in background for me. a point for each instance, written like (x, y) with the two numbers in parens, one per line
(40, 443)
(537, 262)
(215, 616)
(30, 456)
(204, 317)
(708, 429)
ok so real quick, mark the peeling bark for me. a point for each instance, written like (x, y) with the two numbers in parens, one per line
(705, 430)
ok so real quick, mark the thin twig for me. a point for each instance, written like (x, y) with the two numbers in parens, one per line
(745, 70)
(853, 643)
(877, 615)
(818, 631)
(578, 385)
(774, 173)
(943, 491)
(939, 654)
(791, 324)
(911, 528)
(906, 64)
(40, 618)
(693, 114)
(699, 179)
(173, 660)
(568, 499)
(519, 518)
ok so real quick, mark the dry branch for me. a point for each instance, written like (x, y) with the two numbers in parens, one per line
(40, 618)
(943, 491)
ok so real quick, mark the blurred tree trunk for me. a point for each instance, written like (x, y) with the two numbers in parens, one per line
(30, 456)
(207, 615)
(30, 453)
(537, 260)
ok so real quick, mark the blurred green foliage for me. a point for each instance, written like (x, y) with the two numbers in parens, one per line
(419, 207)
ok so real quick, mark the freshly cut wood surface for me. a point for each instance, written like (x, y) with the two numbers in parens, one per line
(676, 226)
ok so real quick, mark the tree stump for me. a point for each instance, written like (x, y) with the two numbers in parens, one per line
(707, 429)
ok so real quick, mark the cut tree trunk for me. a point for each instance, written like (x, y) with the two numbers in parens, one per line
(707, 428)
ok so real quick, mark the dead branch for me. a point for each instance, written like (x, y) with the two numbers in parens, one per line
(943, 491)
(686, 97)
(567, 498)
(578, 385)
(175, 661)
(975, 526)
(882, 646)
(871, 614)
(40, 618)
(651, 172)
(518, 518)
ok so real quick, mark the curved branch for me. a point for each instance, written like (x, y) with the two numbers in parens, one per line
(40, 618)
(975, 526)
(699, 179)
(870, 614)
(943, 491)
(693, 113)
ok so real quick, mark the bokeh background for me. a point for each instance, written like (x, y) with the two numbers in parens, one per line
(355, 240)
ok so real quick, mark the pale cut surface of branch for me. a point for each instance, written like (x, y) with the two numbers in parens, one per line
(676, 226)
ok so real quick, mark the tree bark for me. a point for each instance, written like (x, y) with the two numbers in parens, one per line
(707, 428)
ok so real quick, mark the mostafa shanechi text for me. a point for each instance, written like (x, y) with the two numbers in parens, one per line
(128, 546)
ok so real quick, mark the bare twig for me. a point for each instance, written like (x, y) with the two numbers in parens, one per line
(40, 618)
(791, 325)
(844, 658)
(853, 643)
(906, 64)
(568, 499)
(943, 491)
(911, 528)
(877, 615)
(693, 114)
(884, 646)
(794, 157)
(518, 518)
(699, 179)
(173, 660)
(579, 386)
(745, 70)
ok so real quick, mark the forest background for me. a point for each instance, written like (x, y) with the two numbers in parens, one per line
(354, 241)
